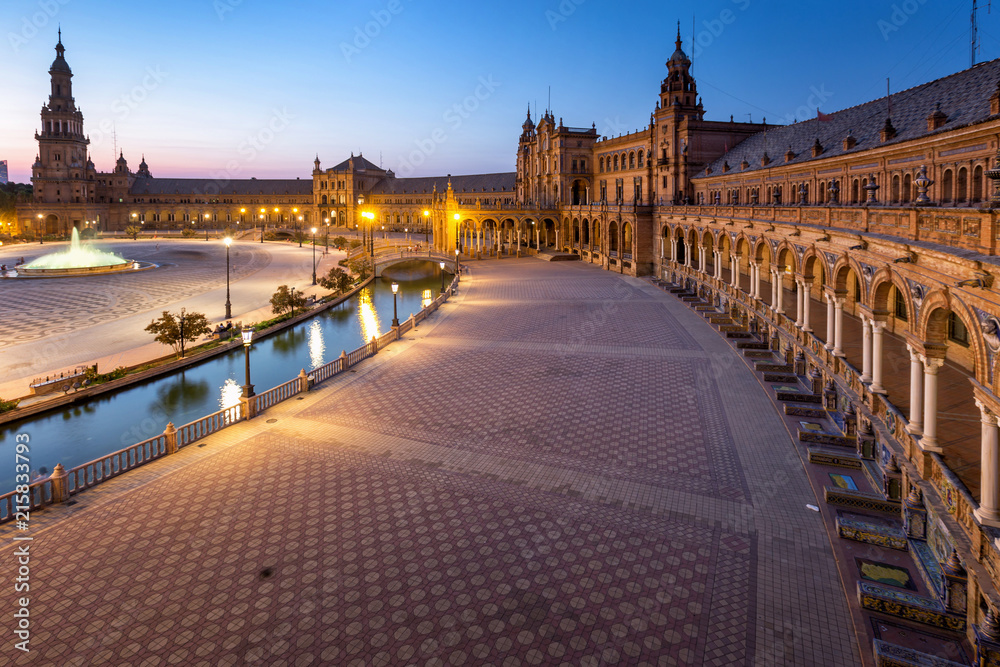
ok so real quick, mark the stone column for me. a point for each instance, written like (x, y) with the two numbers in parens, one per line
(829, 322)
(929, 441)
(866, 350)
(988, 511)
(806, 291)
(798, 303)
(687, 254)
(838, 326)
(756, 280)
(702, 260)
(774, 289)
(916, 425)
(877, 330)
(779, 292)
(734, 270)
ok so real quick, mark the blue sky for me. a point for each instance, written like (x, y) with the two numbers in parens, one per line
(248, 88)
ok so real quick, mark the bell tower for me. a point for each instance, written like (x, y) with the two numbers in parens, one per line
(679, 88)
(60, 174)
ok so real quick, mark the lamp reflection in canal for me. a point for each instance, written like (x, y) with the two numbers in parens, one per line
(230, 394)
(317, 346)
(367, 316)
(426, 298)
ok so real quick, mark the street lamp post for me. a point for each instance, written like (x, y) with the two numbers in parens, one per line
(206, 226)
(456, 261)
(263, 225)
(41, 232)
(181, 324)
(247, 340)
(314, 255)
(442, 277)
(326, 236)
(229, 306)
(395, 319)
(297, 218)
(427, 227)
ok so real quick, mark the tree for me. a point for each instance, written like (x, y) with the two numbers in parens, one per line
(175, 330)
(359, 267)
(133, 231)
(337, 280)
(287, 299)
(340, 242)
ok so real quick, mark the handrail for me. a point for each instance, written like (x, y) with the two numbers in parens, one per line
(94, 472)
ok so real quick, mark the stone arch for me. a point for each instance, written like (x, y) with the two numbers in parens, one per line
(932, 326)
(725, 245)
(613, 240)
(762, 252)
(814, 267)
(627, 239)
(882, 283)
(787, 258)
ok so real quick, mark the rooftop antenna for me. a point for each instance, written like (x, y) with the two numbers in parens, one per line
(973, 37)
(692, 42)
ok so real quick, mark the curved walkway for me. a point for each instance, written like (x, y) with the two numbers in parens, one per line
(562, 466)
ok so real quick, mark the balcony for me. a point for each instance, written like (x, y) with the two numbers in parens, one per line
(972, 229)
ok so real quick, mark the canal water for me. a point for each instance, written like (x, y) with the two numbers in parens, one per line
(110, 422)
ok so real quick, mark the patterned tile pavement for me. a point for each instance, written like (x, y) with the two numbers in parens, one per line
(561, 467)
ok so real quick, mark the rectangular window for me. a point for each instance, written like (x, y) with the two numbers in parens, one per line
(899, 305)
(957, 333)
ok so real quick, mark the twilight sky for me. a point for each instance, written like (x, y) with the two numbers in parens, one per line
(252, 88)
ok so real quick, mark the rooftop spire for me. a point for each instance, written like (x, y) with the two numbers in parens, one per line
(678, 42)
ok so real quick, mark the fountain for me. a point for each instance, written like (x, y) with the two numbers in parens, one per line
(79, 260)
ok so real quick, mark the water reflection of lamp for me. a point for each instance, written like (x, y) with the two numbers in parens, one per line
(395, 319)
(230, 395)
(247, 341)
(317, 347)
(367, 315)
(442, 277)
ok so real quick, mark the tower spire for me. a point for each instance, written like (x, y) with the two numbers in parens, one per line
(678, 42)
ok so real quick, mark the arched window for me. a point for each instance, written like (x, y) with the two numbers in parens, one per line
(962, 193)
(947, 186)
(855, 190)
(977, 183)
(602, 165)
(324, 199)
(907, 187)
(895, 188)
(631, 160)
(616, 163)
(822, 192)
(640, 159)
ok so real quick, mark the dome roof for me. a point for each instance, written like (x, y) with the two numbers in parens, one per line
(60, 64)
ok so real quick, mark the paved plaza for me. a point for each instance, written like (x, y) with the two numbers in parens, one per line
(562, 466)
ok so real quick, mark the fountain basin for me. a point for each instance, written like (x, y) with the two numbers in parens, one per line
(78, 260)
(23, 271)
